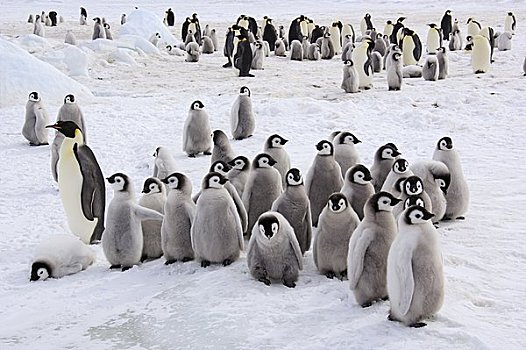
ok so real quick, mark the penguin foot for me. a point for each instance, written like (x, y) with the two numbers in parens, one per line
(289, 284)
(330, 275)
(264, 280)
(385, 298)
(227, 262)
(248, 75)
(170, 262)
(144, 258)
(367, 304)
(227, 65)
(391, 318)
(207, 153)
(446, 219)
(205, 263)
(343, 275)
(461, 218)
(191, 155)
(187, 259)
(418, 325)
(436, 225)
(126, 268)
(112, 267)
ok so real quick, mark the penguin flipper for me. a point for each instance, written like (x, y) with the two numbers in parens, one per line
(41, 120)
(417, 51)
(406, 282)
(295, 247)
(233, 214)
(308, 226)
(234, 116)
(357, 249)
(93, 193)
(146, 214)
(242, 212)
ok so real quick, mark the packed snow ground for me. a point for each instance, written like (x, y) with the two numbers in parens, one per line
(136, 108)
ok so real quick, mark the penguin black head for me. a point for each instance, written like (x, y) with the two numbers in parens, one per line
(34, 96)
(107, 26)
(188, 19)
(268, 225)
(175, 181)
(442, 49)
(416, 215)
(325, 148)
(219, 137)
(169, 47)
(263, 160)
(389, 22)
(214, 180)
(448, 12)
(359, 174)
(349, 63)
(40, 271)
(69, 99)
(194, 16)
(327, 35)
(67, 128)
(97, 19)
(445, 144)
(119, 181)
(367, 15)
(388, 151)
(413, 185)
(414, 200)
(510, 13)
(152, 185)
(384, 201)
(396, 55)
(197, 105)
(220, 167)
(337, 202)
(347, 138)
(400, 166)
(432, 25)
(400, 19)
(239, 163)
(276, 141)
(443, 181)
(294, 177)
(37, 17)
(244, 91)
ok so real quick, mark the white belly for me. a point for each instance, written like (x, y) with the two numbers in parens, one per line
(433, 41)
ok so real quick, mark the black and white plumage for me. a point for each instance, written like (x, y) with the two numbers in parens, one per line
(154, 197)
(411, 186)
(258, 57)
(196, 131)
(369, 248)
(383, 162)
(436, 178)
(274, 146)
(238, 174)
(351, 81)
(294, 205)
(107, 30)
(243, 55)
(394, 70)
(38, 28)
(60, 255)
(361, 57)
(345, 152)
(430, 69)
(399, 170)
(98, 29)
(327, 48)
(446, 24)
(357, 188)
(269, 34)
(36, 119)
(170, 17)
(273, 251)
(242, 120)
(83, 16)
(222, 149)
(443, 63)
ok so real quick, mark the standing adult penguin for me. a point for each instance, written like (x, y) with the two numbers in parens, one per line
(434, 38)
(274, 146)
(369, 248)
(366, 24)
(294, 205)
(228, 49)
(263, 187)
(36, 119)
(53, 18)
(388, 28)
(351, 81)
(323, 179)
(524, 66)
(38, 28)
(217, 235)
(317, 33)
(345, 152)
(124, 18)
(395, 74)
(295, 32)
(170, 18)
(81, 184)
(510, 23)
(238, 174)
(348, 33)
(361, 57)
(443, 63)
(327, 47)
(243, 55)
(411, 47)
(357, 188)
(269, 34)
(474, 27)
(489, 33)
(179, 213)
(69, 111)
(196, 131)
(384, 158)
(480, 55)
(164, 163)
(397, 29)
(430, 68)
(83, 16)
(457, 196)
(436, 178)
(273, 251)
(335, 31)
(331, 240)
(242, 121)
(185, 27)
(446, 24)
(222, 149)
(195, 27)
(415, 276)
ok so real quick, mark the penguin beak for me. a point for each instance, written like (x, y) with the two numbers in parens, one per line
(53, 126)
(444, 190)
(271, 162)
(231, 163)
(223, 181)
(164, 181)
(284, 141)
(367, 178)
(319, 146)
(396, 153)
(395, 201)
(428, 215)
(357, 141)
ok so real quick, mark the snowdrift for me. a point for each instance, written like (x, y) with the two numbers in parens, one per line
(145, 23)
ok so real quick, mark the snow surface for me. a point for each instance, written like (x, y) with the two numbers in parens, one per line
(139, 107)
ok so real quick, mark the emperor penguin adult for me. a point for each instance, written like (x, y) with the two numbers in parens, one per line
(242, 121)
(154, 197)
(270, 34)
(345, 152)
(124, 18)
(366, 24)
(243, 55)
(263, 187)
(524, 66)
(238, 174)
(357, 188)
(170, 18)
(436, 178)
(480, 55)
(83, 17)
(323, 179)
(179, 213)
(411, 47)
(347, 34)
(412, 186)
(98, 29)
(361, 56)
(384, 158)
(415, 276)
(369, 248)
(70, 38)
(60, 255)
(275, 147)
(395, 75)
(397, 31)
(164, 163)
(446, 24)
(457, 196)
(434, 38)
(351, 81)
(327, 47)
(331, 239)
(430, 69)
(222, 149)
(196, 131)
(195, 27)
(81, 184)
(399, 170)
(294, 205)
(489, 33)
(474, 27)
(38, 28)
(443, 63)
(334, 30)
(273, 251)
(388, 28)
(510, 23)
(122, 241)
(36, 119)
(217, 234)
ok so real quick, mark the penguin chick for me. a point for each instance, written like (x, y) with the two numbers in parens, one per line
(70, 38)
(258, 56)
(164, 163)
(345, 152)
(395, 71)
(350, 80)
(196, 131)
(457, 196)
(331, 240)
(436, 178)
(98, 30)
(154, 39)
(238, 174)
(153, 197)
(122, 241)
(60, 255)
(274, 146)
(107, 30)
(179, 211)
(273, 251)
(242, 121)
(327, 48)
(400, 169)
(296, 51)
(36, 119)
(415, 277)
(430, 68)
(443, 63)
(358, 188)
(280, 50)
(323, 179)
(208, 45)
(294, 205)
(192, 52)
(383, 162)
(412, 186)
(369, 248)
(222, 149)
